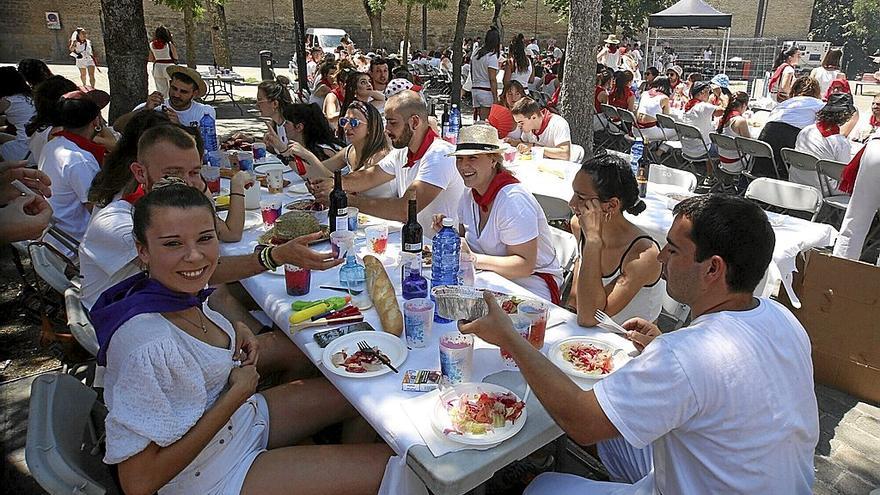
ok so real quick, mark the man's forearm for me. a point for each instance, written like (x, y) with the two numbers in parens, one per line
(387, 208)
(557, 153)
(234, 268)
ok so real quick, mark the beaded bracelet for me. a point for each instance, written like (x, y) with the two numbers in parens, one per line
(263, 259)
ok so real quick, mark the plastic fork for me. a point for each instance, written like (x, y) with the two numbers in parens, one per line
(365, 348)
(606, 322)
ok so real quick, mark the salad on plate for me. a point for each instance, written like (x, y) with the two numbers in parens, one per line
(480, 413)
(588, 358)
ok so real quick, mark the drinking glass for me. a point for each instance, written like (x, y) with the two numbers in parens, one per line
(211, 175)
(521, 324)
(456, 357)
(536, 312)
(418, 317)
(271, 210)
(377, 238)
(297, 279)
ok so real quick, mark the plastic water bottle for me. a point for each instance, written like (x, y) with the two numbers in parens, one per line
(454, 124)
(444, 269)
(638, 147)
(208, 128)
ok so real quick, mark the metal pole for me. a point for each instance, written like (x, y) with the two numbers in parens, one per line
(536, 18)
(648, 51)
(299, 44)
(424, 26)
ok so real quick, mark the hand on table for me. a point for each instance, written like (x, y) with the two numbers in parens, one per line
(247, 348)
(524, 148)
(641, 332)
(494, 328)
(24, 218)
(154, 100)
(297, 252)
(320, 189)
(32, 178)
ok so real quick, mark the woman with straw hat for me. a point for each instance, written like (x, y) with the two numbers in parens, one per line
(503, 226)
(609, 56)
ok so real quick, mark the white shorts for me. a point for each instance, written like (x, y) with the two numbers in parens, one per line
(222, 465)
(482, 98)
(85, 61)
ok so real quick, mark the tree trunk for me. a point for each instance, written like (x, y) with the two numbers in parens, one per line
(125, 45)
(219, 35)
(496, 18)
(406, 30)
(457, 55)
(579, 74)
(189, 24)
(375, 18)
(424, 26)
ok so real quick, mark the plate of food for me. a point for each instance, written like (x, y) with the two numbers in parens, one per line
(316, 209)
(587, 357)
(343, 357)
(478, 414)
(251, 218)
(291, 225)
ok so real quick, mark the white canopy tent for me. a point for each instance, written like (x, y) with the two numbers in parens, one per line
(691, 14)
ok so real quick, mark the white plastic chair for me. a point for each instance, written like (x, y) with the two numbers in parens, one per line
(677, 311)
(803, 162)
(554, 208)
(58, 418)
(566, 254)
(784, 194)
(576, 153)
(49, 264)
(78, 321)
(661, 174)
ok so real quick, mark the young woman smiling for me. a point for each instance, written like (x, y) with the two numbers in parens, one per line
(502, 224)
(359, 87)
(184, 415)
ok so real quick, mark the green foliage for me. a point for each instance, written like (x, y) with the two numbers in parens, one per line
(490, 4)
(851, 24)
(375, 6)
(198, 9)
(624, 17)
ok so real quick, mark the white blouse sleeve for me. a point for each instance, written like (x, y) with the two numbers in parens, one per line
(518, 221)
(158, 396)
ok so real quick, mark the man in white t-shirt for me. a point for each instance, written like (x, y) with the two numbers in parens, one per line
(72, 160)
(317, 56)
(727, 403)
(419, 164)
(533, 50)
(699, 113)
(185, 86)
(540, 127)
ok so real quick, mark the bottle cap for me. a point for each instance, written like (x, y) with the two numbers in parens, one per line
(448, 222)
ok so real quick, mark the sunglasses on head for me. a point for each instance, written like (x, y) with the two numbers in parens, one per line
(344, 121)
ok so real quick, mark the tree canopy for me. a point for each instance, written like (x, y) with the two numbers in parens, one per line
(625, 17)
(851, 24)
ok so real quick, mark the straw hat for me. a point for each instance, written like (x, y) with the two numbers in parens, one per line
(192, 74)
(477, 139)
(612, 40)
(677, 69)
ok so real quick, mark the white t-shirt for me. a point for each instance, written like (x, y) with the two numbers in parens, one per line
(71, 170)
(37, 141)
(612, 60)
(20, 111)
(835, 147)
(191, 115)
(480, 69)
(522, 76)
(533, 49)
(799, 111)
(699, 116)
(557, 53)
(433, 168)
(557, 133)
(727, 403)
(824, 77)
(515, 218)
(107, 251)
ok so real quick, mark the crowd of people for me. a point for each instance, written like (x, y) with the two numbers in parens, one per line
(183, 355)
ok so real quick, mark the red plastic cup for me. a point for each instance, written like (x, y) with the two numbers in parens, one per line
(298, 280)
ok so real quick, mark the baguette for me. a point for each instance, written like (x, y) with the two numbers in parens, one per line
(382, 294)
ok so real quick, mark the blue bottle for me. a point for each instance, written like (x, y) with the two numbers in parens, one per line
(454, 123)
(638, 148)
(444, 270)
(208, 128)
(352, 275)
(415, 285)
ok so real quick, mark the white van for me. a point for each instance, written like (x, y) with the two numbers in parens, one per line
(325, 38)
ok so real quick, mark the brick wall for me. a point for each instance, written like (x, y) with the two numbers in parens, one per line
(785, 18)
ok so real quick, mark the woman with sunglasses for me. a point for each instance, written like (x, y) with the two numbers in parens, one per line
(617, 273)
(364, 131)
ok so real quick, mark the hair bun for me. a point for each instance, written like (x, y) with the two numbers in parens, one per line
(282, 80)
(637, 208)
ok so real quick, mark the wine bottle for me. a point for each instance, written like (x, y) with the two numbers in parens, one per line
(444, 121)
(412, 230)
(338, 205)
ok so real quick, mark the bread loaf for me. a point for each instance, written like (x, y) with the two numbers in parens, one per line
(382, 294)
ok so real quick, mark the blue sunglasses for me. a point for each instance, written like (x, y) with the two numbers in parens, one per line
(344, 121)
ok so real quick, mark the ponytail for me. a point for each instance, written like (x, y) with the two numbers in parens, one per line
(783, 56)
(736, 101)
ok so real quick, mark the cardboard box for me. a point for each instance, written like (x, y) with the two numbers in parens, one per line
(840, 309)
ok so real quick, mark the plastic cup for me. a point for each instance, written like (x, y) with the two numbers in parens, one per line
(536, 312)
(259, 151)
(509, 156)
(252, 196)
(297, 279)
(211, 175)
(418, 317)
(456, 357)
(245, 160)
(275, 179)
(537, 153)
(521, 324)
(341, 243)
(353, 218)
(467, 270)
(232, 156)
(377, 238)
(214, 158)
(271, 210)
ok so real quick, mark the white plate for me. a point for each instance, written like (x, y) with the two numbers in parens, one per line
(390, 345)
(619, 357)
(441, 422)
(252, 218)
(265, 168)
(297, 188)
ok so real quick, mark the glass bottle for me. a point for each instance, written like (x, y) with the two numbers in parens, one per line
(415, 285)
(352, 275)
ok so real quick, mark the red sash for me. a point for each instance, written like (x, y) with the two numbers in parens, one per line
(777, 74)
(550, 280)
(848, 177)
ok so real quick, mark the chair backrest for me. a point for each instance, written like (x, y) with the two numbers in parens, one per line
(690, 134)
(610, 111)
(566, 254)
(78, 321)
(723, 142)
(554, 208)
(784, 194)
(50, 265)
(798, 159)
(626, 116)
(661, 174)
(754, 148)
(576, 153)
(665, 121)
(828, 169)
(59, 412)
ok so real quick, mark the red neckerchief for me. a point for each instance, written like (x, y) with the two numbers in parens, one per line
(730, 117)
(136, 195)
(416, 88)
(85, 144)
(690, 104)
(545, 121)
(500, 180)
(874, 122)
(412, 158)
(827, 129)
(158, 44)
(339, 91)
